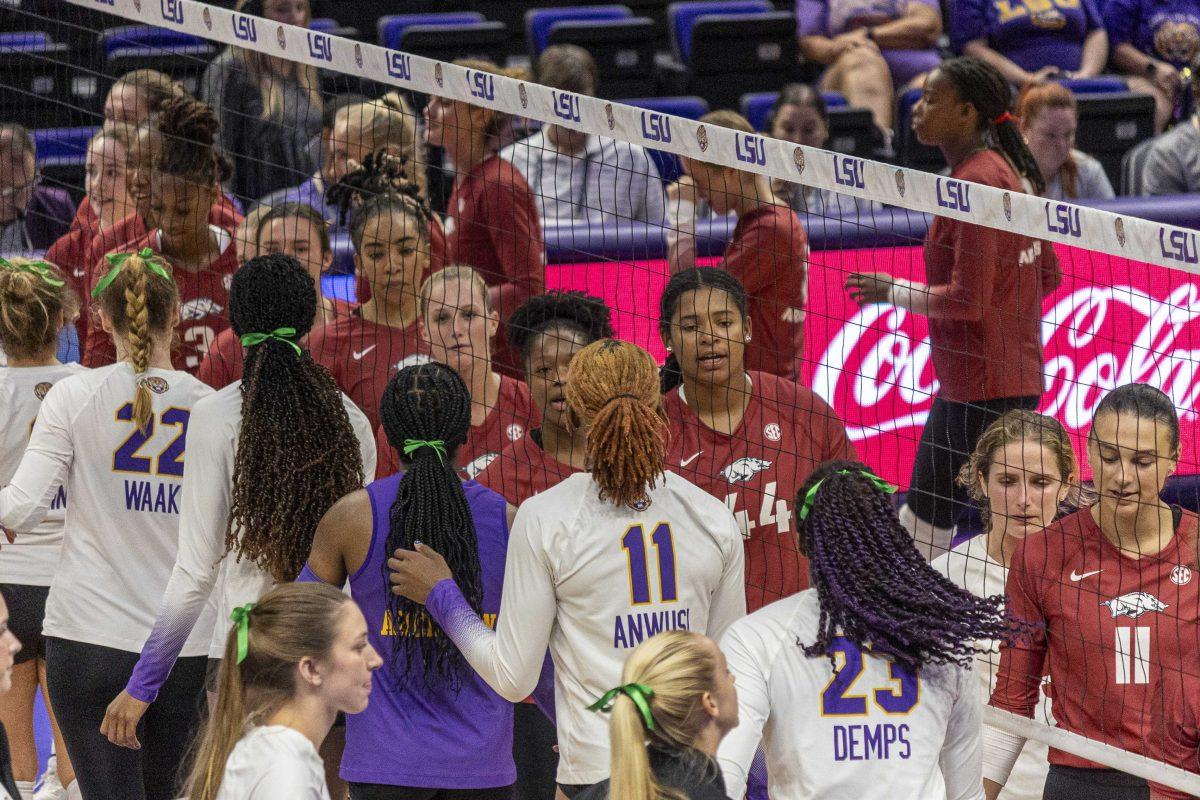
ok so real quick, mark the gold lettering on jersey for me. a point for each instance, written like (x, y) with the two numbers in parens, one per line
(424, 627)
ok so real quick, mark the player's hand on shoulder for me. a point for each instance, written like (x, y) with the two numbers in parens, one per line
(121, 721)
(414, 573)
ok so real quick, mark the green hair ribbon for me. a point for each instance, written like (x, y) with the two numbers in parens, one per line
(43, 269)
(284, 335)
(413, 445)
(639, 693)
(117, 260)
(241, 618)
(811, 497)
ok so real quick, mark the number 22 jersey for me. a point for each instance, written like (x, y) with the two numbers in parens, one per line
(122, 523)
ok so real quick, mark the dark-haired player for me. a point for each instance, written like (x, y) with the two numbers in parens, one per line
(861, 686)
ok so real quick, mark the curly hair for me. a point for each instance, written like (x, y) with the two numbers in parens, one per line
(297, 453)
(429, 402)
(573, 311)
(875, 588)
(613, 390)
(381, 185)
(189, 130)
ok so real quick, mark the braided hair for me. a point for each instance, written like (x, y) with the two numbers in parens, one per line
(688, 280)
(981, 85)
(429, 402)
(613, 390)
(297, 453)
(381, 185)
(572, 311)
(875, 588)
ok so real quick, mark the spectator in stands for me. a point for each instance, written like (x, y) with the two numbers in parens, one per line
(1172, 164)
(32, 216)
(579, 177)
(357, 129)
(1152, 42)
(768, 254)
(269, 107)
(870, 48)
(138, 94)
(1031, 42)
(492, 219)
(1048, 117)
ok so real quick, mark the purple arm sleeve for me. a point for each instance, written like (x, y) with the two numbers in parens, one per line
(543, 695)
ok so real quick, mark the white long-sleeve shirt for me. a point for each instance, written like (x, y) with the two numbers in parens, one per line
(273, 762)
(122, 525)
(970, 567)
(31, 560)
(207, 498)
(873, 732)
(593, 580)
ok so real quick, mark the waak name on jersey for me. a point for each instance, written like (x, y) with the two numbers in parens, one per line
(152, 497)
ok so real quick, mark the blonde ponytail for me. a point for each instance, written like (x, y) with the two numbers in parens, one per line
(34, 301)
(137, 320)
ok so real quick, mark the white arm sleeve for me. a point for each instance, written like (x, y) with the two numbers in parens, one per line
(26, 500)
(961, 759)
(1001, 750)
(911, 295)
(509, 658)
(365, 436)
(729, 601)
(749, 668)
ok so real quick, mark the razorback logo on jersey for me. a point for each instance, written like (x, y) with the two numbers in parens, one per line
(744, 469)
(41, 389)
(155, 384)
(1134, 604)
(199, 308)
(479, 464)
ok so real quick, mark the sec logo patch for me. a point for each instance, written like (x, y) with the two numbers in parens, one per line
(1181, 575)
(772, 432)
(514, 432)
(41, 389)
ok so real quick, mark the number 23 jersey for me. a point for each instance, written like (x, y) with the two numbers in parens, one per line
(122, 524)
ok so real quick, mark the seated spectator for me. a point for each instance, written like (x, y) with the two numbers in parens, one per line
(269, 108)
(577, 177)
(492, 220)
(1030, 41)
(1048, 117)
(1173, 160)
(32, 216)
(1152, 43)
(138, 94)
(799, 115)
(870, 48)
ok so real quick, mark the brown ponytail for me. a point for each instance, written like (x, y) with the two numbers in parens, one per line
(33, 307)
(613, 390)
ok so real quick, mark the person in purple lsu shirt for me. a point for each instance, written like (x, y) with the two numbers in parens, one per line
(433, 728)
(870, 48)
(1032, 40)
(1152, 42)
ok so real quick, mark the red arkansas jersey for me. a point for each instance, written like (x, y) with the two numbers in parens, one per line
(203, 305)
(524, 469)
(512, 417)
(1108, 627)
(769, 255)
(492, 225)
(70, 254)
(223, 214)
(1175, 735)
(785, 434)
(363, 356)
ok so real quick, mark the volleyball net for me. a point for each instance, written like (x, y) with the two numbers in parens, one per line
(633, 192)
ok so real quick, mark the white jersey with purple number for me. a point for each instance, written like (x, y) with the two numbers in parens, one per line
(122, 524)
(30, 560)
(872, 731)
(593, 581)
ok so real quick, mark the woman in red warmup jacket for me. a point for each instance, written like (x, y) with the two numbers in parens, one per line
(491, 219)
(983, 291)
(182, 191)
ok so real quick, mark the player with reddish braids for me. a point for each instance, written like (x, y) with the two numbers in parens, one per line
(748, 438)
(627, 523)
(492, 217)
(389, 227)
(182, 190)
(459, 325)
(35, 303)
(982, 294)
(1113, 593)
(115, 438)
(548, 331)
(860, 686)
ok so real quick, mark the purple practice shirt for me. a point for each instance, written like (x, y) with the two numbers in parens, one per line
(418, 736)
(1165, 29)
(1030, 35)
(831, 17)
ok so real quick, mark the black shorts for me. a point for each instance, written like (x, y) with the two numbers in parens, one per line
(573, 789)
(1077, 783)
(26, 613)
(379, 791)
